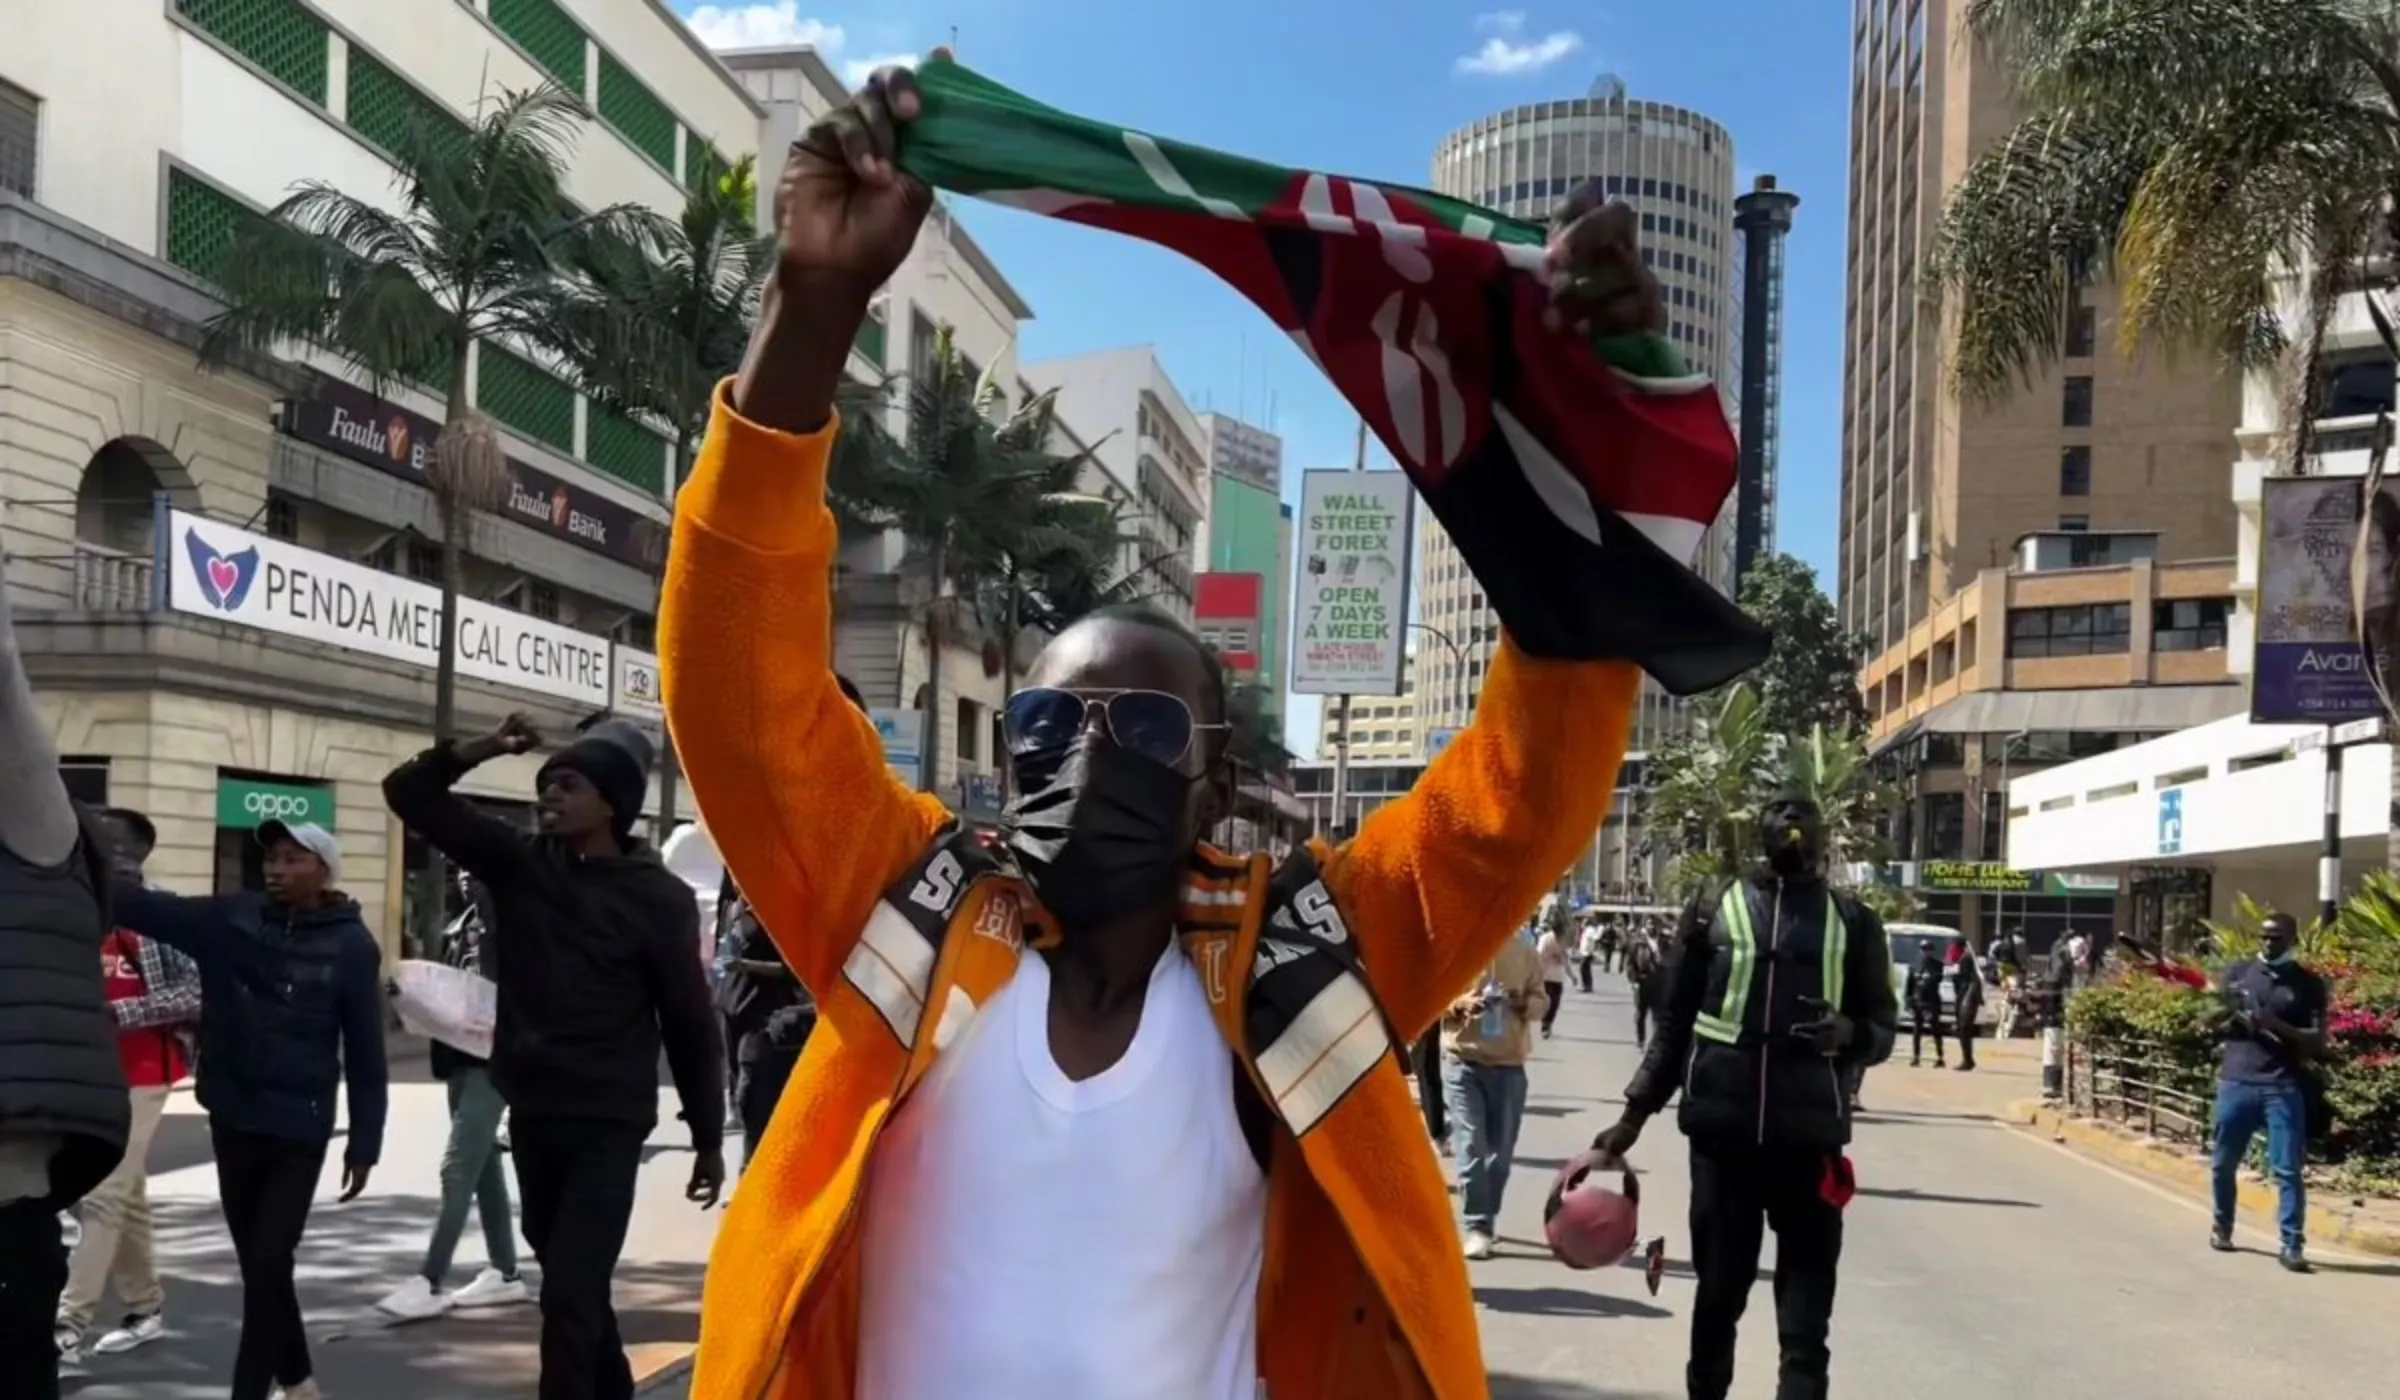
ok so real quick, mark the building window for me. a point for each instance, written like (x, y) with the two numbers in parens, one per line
(2189, 624)
(921, 336)
(543, 30)
(383, 107)
(640, 633)
(283, 518)
(970, 730)
(2075, 471)
(541, 599)
(202, 224)
(2355, 384)
(20, 133)
(625, 450)
(2075, 411)
(2086, 629)
(525, 397)
(2082, 332)
(285, 40)
(2075, 524)
(636, 113)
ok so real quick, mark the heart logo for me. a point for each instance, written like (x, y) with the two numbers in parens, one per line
(223, 579)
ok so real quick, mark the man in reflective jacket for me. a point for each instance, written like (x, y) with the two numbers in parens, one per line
(1777, 988)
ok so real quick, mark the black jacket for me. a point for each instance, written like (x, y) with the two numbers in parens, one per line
(1925, 984)
(1766, 1089)
(59, 1071)
(597, 962)
(291, 1006)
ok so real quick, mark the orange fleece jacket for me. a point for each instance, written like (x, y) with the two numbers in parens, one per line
(1364, 1295)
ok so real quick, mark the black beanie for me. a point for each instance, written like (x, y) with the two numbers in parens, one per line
(614, 757)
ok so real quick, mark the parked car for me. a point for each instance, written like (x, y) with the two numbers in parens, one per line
(1908, 940)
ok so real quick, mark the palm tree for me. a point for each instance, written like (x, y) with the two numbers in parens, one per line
(474, 254)
(1831, 768)
(651, 326)
(2222, 159)
(1705, 787)
(978, 491)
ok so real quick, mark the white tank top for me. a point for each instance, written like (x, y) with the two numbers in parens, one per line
(1028, 1237)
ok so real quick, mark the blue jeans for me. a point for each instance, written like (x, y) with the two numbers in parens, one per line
(1487, 1106)
(2242, 1109)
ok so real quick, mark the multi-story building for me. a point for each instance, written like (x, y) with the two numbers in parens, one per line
(1676, 167)
(884, 591)
(1762, 219)
(221, 577)
(1935, 490)
(1249, 532)
(1151, 448)
(1381, 728)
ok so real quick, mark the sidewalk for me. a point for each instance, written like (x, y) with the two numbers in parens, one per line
(2006, 1087)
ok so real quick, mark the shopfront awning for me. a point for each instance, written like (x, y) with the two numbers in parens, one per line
(2127, 709)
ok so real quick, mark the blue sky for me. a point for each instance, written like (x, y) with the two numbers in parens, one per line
(1366, 88)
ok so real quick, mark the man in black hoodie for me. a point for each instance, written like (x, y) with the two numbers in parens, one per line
(595, 947)
(1776, 988)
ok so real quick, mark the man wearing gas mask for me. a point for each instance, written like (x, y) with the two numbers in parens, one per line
(1085, 1094)
(1778, 988)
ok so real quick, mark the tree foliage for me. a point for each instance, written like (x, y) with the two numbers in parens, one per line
(2189, 149)
(1810, 678)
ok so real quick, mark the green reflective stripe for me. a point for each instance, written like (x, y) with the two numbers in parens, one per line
(1734, 915)
(1717, 1028)
(1837, 952)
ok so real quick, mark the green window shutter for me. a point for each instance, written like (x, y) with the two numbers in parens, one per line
(703, 164)
(626, 450)
(383, 107)
(524, 396)
(549, 34)
(636, 113)
(281, 37)
(202, 224)
(870, 339)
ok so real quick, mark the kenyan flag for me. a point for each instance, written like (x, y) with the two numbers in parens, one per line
(1575, 477)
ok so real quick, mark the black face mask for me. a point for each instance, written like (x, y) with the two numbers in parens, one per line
(1102, 838)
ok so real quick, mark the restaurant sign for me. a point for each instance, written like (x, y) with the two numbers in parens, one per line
(1998, 877)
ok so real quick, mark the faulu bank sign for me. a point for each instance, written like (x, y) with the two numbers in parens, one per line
(356, 424)
(231, 575)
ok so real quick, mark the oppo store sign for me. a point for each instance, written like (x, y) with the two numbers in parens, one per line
(243, 803)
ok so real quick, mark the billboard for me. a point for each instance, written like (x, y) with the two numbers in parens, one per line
(1230, 612)
(2317, 573)
(1350, 602)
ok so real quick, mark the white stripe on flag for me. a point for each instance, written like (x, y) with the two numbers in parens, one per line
(1162, 173)
(1403, 244)
(1329, 1047)
(1567, 499)
(892, 966)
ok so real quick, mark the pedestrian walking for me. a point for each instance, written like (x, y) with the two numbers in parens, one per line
(1643, 969)
(291, 1009)
(1089, 1068)
(1925, 1005)
(1425, 1065)
(2070, 969)
(1551, 952)
(1609, 940)
(595, 947)
(1587, 951)
(1966, 1003)
(1777, 986)
(65, 1115)
(474, 1175)
(2266, 1077)
(1487, 1036)
(154, 993)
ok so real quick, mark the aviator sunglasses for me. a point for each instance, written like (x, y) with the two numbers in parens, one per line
(1042, 722)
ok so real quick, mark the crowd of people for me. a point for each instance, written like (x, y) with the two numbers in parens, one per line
(960, 1053)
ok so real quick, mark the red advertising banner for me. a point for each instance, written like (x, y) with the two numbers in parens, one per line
(1229, 610)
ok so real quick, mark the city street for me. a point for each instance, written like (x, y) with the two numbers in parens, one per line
(1980, 1262)
(356, 1253)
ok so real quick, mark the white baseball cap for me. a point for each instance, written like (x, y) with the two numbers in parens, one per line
(310, 837)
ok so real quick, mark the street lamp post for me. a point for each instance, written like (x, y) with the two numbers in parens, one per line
(2008, 746)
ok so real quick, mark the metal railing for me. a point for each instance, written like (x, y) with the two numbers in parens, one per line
(2137, 1086)
(111, 580)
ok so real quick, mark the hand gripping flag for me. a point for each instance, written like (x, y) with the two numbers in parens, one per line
(1574, 476)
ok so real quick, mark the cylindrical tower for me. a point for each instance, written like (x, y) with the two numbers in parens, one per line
(1762, 217)
(1676, 167)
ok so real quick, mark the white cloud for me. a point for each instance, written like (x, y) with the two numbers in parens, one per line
(760, 26)
(855, 70)
(1508, 51)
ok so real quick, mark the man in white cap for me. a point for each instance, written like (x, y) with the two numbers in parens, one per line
(291, 1009)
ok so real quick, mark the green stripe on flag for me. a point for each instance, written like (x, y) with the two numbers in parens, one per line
(976, 137)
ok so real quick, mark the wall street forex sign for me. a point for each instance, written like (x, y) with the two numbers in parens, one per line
(1350, 603)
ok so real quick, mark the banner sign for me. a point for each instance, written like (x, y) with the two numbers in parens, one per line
(348, 420)
(1229, 610)
(903, 736)
(242, 803)
(1998, 877)
(216, 571)
(2308, 666)
(1351, 603)
(636, 691)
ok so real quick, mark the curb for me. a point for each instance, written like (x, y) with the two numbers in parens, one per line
(2188, 1174)
(674, 1371)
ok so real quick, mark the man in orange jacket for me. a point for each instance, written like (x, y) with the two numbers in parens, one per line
(1017, 1157)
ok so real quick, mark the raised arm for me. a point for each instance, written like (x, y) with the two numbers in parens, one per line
(1434, 883)
(812, 824)
(420, 793)
(198, 926)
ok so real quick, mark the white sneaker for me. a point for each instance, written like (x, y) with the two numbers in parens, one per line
(414, 1301)
(306, 1390)
(70, 1230)
(1479, 1245)
(70, 1346)
(490, 1289)
(133, 1332)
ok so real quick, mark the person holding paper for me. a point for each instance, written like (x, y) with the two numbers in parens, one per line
(1487, 1036)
